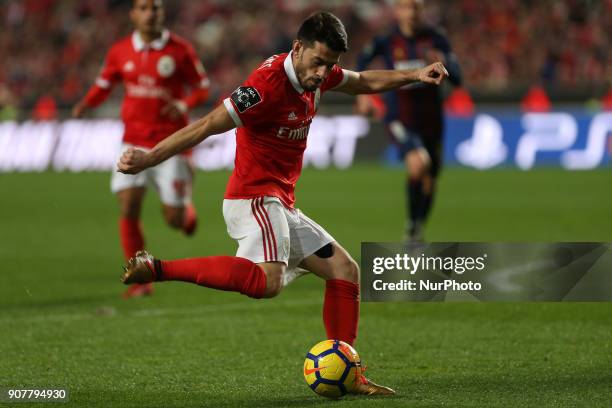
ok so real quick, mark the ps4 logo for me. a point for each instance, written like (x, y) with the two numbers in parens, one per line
(528, 139)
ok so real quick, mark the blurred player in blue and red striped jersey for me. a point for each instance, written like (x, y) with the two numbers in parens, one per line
(414, 114)
(155, 67)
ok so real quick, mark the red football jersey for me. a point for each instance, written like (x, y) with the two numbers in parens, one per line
(153, 75)
(273, 114)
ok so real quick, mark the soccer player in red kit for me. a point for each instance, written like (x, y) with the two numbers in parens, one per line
(155, 67)
(273, 110)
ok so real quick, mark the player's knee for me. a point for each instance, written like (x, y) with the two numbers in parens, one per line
(175, 222)
(348, 270)
(130, 209)
(416, 169)
(418, 163)
(274, 286)
(130, 202)
(174, 217)
(274, 281)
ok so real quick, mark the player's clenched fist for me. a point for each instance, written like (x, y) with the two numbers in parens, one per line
(433, 74)
(132, 161)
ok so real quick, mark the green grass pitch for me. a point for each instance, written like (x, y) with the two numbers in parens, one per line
(63, 323)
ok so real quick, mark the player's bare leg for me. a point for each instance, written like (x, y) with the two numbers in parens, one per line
(132, 239)
(417, 162)
(429, 190)
(274, 277)
(341, 307)
(184, 218)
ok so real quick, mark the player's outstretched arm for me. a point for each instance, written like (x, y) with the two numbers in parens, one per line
(218, 121)
(368, 82)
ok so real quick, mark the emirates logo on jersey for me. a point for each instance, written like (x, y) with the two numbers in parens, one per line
(146, 80)
(166, 66)
(293, 134)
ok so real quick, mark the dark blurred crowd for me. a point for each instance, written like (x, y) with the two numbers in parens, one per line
(559, 42)
(51, 50)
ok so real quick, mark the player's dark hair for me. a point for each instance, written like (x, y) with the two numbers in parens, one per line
(325, 28)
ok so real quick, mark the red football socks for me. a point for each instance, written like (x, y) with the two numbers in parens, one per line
(131, 236)
(218, 272)
(341, 310)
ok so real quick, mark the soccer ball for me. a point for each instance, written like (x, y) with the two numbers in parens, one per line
(331, 367)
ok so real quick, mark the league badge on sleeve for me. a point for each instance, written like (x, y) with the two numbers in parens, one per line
(245, 97)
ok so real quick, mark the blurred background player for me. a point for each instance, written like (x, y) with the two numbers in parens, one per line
(413, 115)
(155, 67)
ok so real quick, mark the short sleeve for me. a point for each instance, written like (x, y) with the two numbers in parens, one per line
(337, 77)
(452, 65)
(250, 103)
(253, 101)
(441, 43)
(374, 49)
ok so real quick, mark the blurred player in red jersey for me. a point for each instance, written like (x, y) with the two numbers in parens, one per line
(155, 67)
(273, 110)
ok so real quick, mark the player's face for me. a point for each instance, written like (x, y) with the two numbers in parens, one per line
(409, 12)
(148, 16)
(313, 63)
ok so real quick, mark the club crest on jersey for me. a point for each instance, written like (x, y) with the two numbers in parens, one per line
(245, 97)
(129, 66)
(166, 66)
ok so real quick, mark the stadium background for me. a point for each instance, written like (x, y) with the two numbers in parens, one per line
(64, 324)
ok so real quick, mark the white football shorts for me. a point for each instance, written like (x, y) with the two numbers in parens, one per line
(267, 231)
(172, 179)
